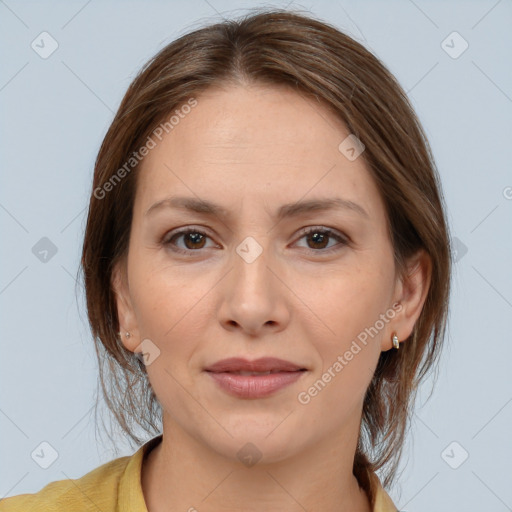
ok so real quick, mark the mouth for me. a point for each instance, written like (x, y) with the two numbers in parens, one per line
(254, 379)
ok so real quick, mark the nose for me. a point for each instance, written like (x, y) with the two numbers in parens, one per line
(254, 294)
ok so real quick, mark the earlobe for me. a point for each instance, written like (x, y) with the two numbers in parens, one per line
(125, 314)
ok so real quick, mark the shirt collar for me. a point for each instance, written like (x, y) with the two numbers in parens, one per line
(131, 497)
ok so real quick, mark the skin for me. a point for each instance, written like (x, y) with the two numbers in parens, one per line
(251, 149)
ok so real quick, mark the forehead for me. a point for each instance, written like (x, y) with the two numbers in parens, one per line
(244, 121)
(250, 142)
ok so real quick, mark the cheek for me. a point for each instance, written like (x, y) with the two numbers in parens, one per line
(346, 359)
(340, 388)
(172, 309)
(349, 300)
(162, 292)
(170, 312)
(351, 306)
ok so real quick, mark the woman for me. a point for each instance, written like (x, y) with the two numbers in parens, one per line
(267, 268)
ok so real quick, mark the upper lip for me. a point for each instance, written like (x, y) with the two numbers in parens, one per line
(264, 364)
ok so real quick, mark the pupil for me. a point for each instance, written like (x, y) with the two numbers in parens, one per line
(195, 237)
(315, 237)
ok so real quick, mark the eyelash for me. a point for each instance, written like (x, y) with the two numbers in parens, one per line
(308, 231)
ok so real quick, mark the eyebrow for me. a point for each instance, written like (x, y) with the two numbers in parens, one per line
(209, 208)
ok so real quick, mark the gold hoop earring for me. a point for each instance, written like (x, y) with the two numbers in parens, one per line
(396, 343)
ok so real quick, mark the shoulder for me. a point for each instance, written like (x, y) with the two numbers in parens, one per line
(96, 490)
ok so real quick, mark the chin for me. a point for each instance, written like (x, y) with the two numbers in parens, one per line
(253, 441)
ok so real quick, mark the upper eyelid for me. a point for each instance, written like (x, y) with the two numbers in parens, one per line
(201, 229)
(333, 232)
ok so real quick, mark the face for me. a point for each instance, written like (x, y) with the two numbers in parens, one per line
(245, 282)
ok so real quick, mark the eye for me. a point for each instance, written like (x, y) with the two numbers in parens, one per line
(192, 238)
(319, 237)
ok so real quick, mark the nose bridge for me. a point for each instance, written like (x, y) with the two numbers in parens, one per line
(253, 252)
(251, 258)
(252, 296)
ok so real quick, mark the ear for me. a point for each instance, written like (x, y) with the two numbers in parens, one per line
(125, 312)
(411, 292)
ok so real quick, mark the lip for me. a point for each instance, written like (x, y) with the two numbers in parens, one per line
(263, 364)
(254, 386)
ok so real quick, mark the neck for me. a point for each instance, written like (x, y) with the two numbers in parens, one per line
(181, 473)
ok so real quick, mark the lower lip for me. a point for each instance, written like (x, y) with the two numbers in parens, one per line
(255, 386)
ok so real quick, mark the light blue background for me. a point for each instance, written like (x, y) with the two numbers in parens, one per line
(54, 114)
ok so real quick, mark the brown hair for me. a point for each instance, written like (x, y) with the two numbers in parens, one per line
(276, 47)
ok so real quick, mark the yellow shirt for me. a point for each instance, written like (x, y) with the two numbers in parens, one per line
(116, 487)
